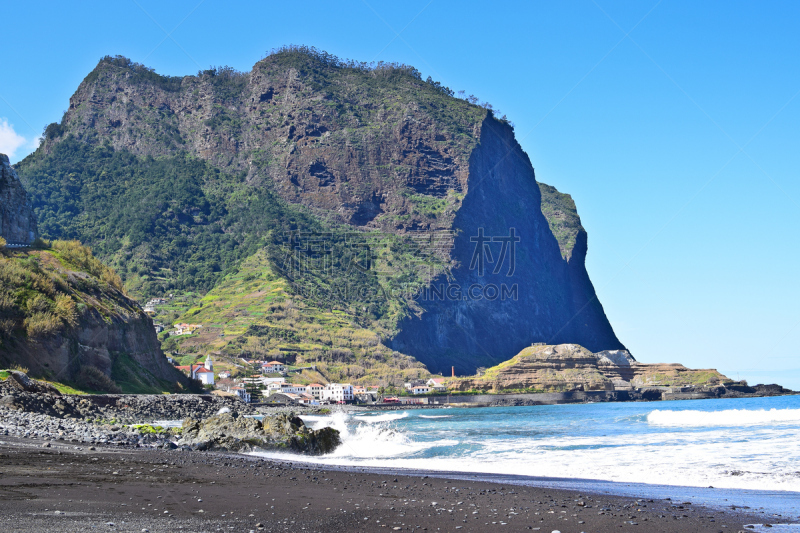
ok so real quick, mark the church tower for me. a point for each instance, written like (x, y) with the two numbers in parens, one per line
(208, 364)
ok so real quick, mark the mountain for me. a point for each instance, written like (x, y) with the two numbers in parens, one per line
(320, 210)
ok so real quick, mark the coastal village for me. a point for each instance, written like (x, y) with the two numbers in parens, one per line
(273, 382)
(258, 381)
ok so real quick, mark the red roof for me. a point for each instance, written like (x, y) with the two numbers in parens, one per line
(203, 369)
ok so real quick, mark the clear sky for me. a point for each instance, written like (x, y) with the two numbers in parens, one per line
(673, 124)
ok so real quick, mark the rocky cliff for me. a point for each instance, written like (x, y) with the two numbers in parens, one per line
(427, 226)
(64, 317)
(17, 220)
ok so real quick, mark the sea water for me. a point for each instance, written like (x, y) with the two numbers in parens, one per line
(750, 445)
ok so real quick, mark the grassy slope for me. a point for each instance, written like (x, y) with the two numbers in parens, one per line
(562, 217)
(253, 311)
(48, 292)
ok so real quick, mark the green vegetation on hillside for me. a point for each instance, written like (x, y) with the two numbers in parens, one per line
(562, 217)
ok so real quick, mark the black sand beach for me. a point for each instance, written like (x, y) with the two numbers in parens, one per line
(72, 487)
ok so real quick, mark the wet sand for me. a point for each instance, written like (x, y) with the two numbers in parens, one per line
(69, 487)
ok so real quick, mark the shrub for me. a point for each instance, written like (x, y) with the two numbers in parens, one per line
(93, 378)
(65, 308)
(40, 325)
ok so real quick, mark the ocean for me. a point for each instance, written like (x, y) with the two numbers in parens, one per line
(721, 452)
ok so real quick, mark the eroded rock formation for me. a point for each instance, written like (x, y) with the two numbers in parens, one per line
(17, 220)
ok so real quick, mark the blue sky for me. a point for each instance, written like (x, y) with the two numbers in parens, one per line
(674, 125)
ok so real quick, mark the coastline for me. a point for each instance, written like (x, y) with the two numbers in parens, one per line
(68, 488)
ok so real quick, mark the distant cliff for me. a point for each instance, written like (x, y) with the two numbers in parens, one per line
(17, 220)
(410, 216)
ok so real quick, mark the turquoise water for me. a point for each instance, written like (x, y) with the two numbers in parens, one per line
(751, 444)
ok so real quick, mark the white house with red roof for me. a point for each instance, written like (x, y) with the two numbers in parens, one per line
(273, 367)
(204, 373)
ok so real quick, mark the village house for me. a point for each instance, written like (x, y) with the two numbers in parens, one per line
(307, 399)
(286, 388)
(241, 393)
(338, 393)
(415, 383)
(273, 367)
(185, 329)
(204, 373)
(315, 390)
(420, 389)
(224, 375)
(437, 384)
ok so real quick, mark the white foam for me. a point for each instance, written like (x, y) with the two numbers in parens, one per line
(388, 417)
(731, 417)
(436, 416)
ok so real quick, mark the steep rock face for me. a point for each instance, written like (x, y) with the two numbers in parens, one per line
(504, 295)
(17, 221)
(358, 145)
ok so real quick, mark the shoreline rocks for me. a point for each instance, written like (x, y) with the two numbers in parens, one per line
(284, 431)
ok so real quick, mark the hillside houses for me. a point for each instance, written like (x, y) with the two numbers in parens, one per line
(185, 329)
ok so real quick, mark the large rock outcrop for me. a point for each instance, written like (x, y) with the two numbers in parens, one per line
(17, 220)
(283, 432)
(504, 295)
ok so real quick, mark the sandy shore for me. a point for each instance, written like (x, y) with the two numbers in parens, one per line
(70, 487)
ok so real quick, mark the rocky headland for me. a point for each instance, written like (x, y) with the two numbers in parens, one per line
(568, 368)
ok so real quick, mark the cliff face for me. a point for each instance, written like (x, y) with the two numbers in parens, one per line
(376, 156)
(63, 316)
(17, 220)
(512, 287)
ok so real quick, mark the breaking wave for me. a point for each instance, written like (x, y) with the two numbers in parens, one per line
(388, 417)
(728, 418)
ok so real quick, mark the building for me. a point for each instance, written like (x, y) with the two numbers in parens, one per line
(285, 388)
(224, 375)
(273, 367)
(307, 399)
(204, 373)
(186, 329)
(315, 390)
(437, 384)
(338, 392)
(241, 393)
(420, 389)
(411, 384)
